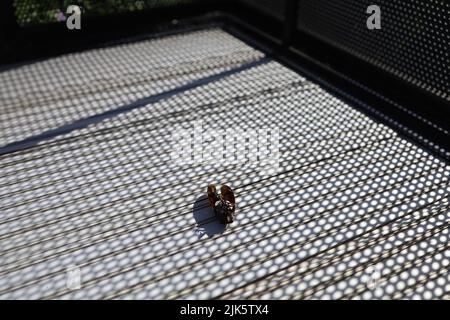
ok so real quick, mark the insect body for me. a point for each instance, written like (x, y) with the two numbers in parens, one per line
(224, 204)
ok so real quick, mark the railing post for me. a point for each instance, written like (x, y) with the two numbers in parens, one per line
(290, 21)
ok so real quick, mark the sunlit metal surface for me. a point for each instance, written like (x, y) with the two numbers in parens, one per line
(355, 211)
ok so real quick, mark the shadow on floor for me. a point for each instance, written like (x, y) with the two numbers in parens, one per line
(207, 224)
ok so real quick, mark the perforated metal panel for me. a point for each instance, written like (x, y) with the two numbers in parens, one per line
(355, 211)
(413, 44)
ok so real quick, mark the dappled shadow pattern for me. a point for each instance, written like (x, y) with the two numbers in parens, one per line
(354, 211)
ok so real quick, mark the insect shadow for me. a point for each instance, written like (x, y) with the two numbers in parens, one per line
(207, 222)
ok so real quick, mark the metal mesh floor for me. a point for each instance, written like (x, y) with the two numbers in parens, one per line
(413, 45)
(355, 211)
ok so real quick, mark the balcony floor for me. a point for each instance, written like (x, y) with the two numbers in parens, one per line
(354, 210)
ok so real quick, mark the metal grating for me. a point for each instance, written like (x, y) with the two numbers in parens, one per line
(413, 44)
(354, 212)
(40, 97)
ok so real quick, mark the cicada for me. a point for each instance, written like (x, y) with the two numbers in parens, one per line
(223, 203)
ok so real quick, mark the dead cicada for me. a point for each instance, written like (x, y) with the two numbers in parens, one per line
(223, 203)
